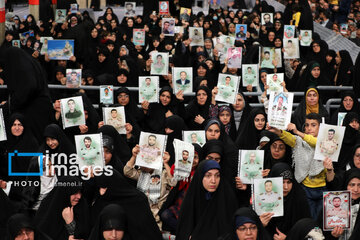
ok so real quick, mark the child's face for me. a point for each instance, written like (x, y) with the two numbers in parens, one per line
(312, 127)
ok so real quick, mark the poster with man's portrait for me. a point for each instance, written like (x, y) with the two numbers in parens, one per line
(341, 117)
(44, 42)
(270, 57)
(195, 136)
(2, 127)
(268, 196)
(16, 43)
(160, 64)
(234, 56)
(139, 37)
(291, 48)
(329, 142)
(184, 157)
(72, 111)
(185, 14)
(60, 49)
(73, 78)
(228, 86)
(337, 210)
(60, 15)
(107, 94)
(222, 44)
(267, 19)
(250, 75)
(250, 165)
(115, 116)
(306, 37)
(182, 79)
(164, 8)
(196, 36)
(289, 31)
(152, 147)
(130, 8)
(89, 150)
(274, 81)
(167, 26)
(149, 89)
(74, 8)
(280, 109)
(240, 31)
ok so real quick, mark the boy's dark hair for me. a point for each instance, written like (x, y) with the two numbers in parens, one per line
(314, 116)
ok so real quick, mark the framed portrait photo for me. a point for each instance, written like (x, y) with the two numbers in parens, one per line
(149, 89)
(152, 147)
(115, 116)
(280, 109)
(274, 82)
(228, 86)
(196, 35)
(60, 49)
(72, 111)
(73, 78)
(195, 136)
(250, 75)
(337, 210)
(250, 165)
(89, 150)
(167, 26)
(107, 94)
(160, 64)
(182, 79)
(184, 157)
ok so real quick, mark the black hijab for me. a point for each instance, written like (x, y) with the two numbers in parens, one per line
(194, 109)
(33, 101)
(301, 229)
(346, 65)
(52, 222)
(295, 203)
(20, 221)
(176, 124)
(355, 108)
(201, 218)
(121, 149)
(270, 161)
(307, 80)
(111, 217)
(250, 136)
(246, 215)
(141, 223)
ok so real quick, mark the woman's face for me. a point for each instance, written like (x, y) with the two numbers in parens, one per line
(354, 187)
(259, 122)
(75, 198)
(211, 180)
(123, 99)
(165, 98)
(277, 42)
(312, 98)
(263, 76)
(315, 72)
(107, 155)
(271, 36)
(329, 58)
(108, 17)
(278, 149)
(101, 57)
(201, 71)
(348, 103)
(287, 186)
(17, 128)
(52, 143)
(357, 158)
(130, 22)
(210, 64)
(113, 234)
(248, 231)
(338, 58)
(59, 76)
(156, 43)
(316, 47)
(213, 132)
(224, 117)
(122, 52)
(196, 161)
(231, 28)
(355, 124)
(201, 97)
(240, 103)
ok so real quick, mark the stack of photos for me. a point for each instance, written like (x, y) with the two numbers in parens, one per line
(250, 165)
(152, 147)
(115, 116)
(228, 86)
(184, 157)
(268, 196)
(89, 150)
(106, 94)
(195, 136)
(182, 79)
(149, 89)
(329, 142)
(280, 109)
(72, 111)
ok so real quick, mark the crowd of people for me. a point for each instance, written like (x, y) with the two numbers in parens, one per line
(212, 202)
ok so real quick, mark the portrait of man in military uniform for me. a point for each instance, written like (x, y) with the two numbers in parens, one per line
(329, 145)
(89, 153)
(149, 151)
(73, 112)
(270, 199)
